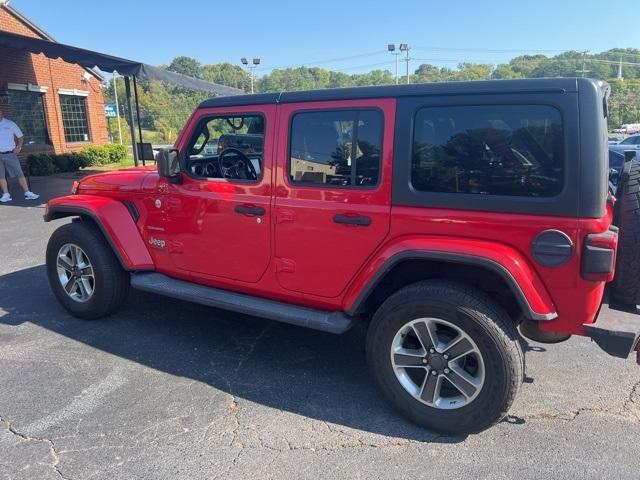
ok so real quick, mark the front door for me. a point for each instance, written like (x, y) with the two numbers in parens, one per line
(332, 206)
(218, 218)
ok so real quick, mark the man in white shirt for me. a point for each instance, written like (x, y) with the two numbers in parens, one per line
(11, 139)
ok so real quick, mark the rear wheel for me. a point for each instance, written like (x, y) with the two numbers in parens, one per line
(626, 283)
(83, 272)
(446, 356)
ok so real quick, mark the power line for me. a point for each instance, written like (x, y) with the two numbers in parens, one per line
(524, 51)
(553, 60)
(330, 60)
(487, 50)
(346, 69)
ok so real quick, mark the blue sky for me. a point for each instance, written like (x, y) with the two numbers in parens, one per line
(293, 33)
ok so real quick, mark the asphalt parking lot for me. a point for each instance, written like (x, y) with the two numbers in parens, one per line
(169, 390)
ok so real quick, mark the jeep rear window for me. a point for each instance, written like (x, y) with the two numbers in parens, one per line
(338, 148)
(512, 150)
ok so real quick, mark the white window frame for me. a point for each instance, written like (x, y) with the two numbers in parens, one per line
(73, 91)
(27, 87)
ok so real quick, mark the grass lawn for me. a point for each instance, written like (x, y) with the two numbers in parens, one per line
(127, 162)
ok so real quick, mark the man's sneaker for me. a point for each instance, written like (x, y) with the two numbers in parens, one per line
(5, 198)
(31, 196)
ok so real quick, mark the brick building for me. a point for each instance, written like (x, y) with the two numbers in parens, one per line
(59, 106)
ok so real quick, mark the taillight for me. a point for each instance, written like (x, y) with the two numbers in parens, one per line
(599, 255)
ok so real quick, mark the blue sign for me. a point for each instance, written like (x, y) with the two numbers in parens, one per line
(110, 110)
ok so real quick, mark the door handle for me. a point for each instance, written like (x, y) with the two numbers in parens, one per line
(249, 210)
(361, 220)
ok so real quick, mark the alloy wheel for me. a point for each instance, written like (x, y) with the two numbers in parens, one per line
(75, 272)
(437, 363)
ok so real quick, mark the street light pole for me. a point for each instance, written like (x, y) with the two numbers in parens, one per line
(255, 62)
(405, 48)
(391, 47)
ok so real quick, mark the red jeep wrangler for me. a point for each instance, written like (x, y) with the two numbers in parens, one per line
(442, 216)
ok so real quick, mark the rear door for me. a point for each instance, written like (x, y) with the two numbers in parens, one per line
(333, 197)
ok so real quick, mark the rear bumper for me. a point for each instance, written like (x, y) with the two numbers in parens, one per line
(615, 331)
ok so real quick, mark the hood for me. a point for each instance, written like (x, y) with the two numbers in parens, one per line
(125, 180)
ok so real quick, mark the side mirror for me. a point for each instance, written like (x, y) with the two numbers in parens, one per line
(168, 163)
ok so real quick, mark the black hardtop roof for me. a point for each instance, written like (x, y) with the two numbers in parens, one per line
(532, 85)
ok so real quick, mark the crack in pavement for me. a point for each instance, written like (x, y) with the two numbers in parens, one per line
(633, 401)
(630, 410)
(234, 408)
(52, 447)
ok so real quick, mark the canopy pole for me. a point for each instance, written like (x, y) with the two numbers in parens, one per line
(132, 128)
(135, 92)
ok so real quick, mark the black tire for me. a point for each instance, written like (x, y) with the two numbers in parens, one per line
(626, 283)
(484, 321)
(111, 283)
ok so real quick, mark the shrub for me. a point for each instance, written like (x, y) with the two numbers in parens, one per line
(95, 155)
(83, 160)
(40, 164)
(117, 152)
(67, 162)
(46, 164)
(76, 161)
(103, 154)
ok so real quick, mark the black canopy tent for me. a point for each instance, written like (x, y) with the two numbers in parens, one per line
(108, 63)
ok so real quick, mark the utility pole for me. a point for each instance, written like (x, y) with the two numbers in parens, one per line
(620, 70)
(584, 63)
(245, 62)
(392, 49)
(405, 48)
(115, 92)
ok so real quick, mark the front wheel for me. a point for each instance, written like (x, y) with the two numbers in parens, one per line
(446, 356)
(84, 274)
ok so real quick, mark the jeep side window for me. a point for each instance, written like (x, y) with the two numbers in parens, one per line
(240, 140)
(339, 148)
(513, 150)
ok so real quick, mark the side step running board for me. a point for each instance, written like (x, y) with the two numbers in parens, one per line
(332, 322)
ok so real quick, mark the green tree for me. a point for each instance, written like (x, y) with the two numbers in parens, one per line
(427, 73)
(504, 72)
(226, 74)
(186, 66)
(375, 77)
(473, 71)
(624, 103)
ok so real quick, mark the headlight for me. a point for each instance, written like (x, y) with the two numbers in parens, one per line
(74, 187)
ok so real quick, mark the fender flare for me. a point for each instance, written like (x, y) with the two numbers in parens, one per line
(535, 302)
(114, 220)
